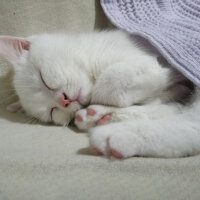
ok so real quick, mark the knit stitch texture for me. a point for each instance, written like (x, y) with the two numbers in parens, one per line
(172, 26)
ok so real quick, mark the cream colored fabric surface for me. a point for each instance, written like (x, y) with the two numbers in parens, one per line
(43, 162)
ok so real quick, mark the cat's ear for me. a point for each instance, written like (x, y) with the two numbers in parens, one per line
(12, 48)
(14, 107)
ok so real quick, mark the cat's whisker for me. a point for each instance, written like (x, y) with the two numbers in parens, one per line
(66, 125)
(32, 120)
(36, 121)
(29, 121)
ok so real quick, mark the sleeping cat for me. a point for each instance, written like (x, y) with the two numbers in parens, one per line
(104, 78)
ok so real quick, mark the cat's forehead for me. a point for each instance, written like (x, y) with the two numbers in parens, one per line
(54, 42)
(50, 50)
(44, 45)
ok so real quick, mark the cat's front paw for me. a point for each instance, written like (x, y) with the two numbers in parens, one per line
(114, 140)
(92, 116)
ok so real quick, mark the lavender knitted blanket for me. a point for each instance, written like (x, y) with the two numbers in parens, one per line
(172, 26)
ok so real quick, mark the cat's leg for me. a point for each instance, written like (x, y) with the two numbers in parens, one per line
(167, 137)
(130, 82)
(96, 115)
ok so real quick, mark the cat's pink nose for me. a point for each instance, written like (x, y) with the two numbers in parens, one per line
(63, 100)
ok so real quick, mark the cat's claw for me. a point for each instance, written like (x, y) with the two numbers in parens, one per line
(92, 116)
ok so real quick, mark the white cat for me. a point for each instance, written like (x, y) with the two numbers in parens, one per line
(55, 75)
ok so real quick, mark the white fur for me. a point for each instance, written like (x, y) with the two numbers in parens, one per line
(173, 136)
(108, 69)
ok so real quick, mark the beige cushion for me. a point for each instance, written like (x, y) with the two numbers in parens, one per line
(45, 162)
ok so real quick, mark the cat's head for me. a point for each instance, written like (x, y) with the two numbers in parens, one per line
(50, 76)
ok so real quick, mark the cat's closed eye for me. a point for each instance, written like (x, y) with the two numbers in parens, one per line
(51, 112)
(45, 84)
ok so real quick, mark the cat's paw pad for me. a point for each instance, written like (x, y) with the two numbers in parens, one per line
(91, 112)
(97, 151)
(104, 120)
(92, 116)
(113, 152)
(101, 146)
(116, 153)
